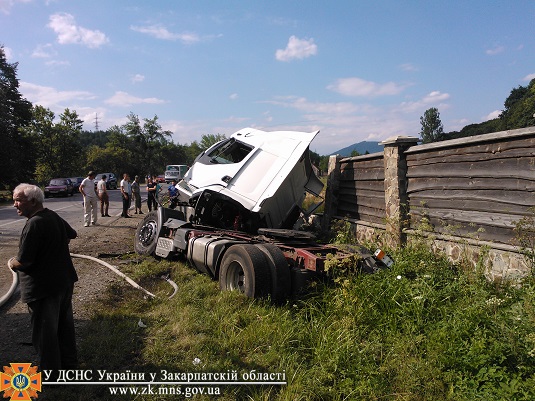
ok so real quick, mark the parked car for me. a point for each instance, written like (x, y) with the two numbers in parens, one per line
(76, 181)
(59, 186)
(160, 179)
(111, 180)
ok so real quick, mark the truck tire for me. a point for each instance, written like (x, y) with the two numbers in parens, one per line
(244, 267)
(147, 234)
(281, 282)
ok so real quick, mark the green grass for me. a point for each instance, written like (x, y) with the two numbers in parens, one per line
(422, 330)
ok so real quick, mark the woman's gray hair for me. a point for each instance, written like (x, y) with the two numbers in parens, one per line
(31, 192)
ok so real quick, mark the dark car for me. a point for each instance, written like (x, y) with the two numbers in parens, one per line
(76, 181)
(161, 179)
(111, 180)
(59, 186)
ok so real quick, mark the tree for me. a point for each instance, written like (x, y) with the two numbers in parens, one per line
(117, 156)
(519, 112)
(109, 159)
(17, 160)
(432, 129)
(68, 132)
(147, 142)
(58, 152)
(519, 107)
(41, 130)
(193, 150)
(208, 140)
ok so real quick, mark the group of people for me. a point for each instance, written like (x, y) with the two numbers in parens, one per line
(45, 268)
(153, 188)
(93, 191)
(129, 191)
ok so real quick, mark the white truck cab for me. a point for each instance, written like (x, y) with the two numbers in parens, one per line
(252, 179)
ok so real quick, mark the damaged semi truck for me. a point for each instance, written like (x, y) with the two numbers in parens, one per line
(234, 215)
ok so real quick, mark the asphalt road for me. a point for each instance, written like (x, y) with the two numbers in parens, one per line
(69, 208)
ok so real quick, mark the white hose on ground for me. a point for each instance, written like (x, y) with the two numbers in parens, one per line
(11, 290)
(116, 271)
(174, 286)
(15, 282)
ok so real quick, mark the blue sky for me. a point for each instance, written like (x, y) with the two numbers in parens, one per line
(356, 70)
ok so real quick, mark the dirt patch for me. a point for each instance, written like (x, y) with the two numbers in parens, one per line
(107, 241)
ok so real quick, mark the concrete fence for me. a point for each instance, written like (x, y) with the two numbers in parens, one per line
(465, 195)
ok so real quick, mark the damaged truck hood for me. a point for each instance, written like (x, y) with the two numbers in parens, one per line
(267, 173)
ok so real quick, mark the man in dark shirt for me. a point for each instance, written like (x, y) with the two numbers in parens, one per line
(47, 278)
(151, 194)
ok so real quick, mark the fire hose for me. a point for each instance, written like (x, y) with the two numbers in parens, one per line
(116, 271)
(13, 286)
(15, 281)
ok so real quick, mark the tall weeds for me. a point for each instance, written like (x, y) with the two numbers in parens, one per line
(422, 330)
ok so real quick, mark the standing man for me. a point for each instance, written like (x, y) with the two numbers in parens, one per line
(173, 194)
(126, 191)
(103, 196)
(136, 193)
(89, 191)
(151, 194)
(47, 278)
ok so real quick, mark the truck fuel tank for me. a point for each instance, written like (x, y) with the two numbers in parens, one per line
(205, 252)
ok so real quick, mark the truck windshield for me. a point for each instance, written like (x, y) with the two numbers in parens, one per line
(231, 151)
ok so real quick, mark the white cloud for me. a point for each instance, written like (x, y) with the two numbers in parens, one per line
(57, 63)
(69, 33)
(236, 120)
(529, 77)
(409, 67)
(433, 99)
(6, 5)
(495, 50)
(301, 103)
(44, 51)
(297, 49)
(137, 78)
(8, 52)
(160, 32)
(492, 116)
(124, 99)
(52, 98)
(233, 96)
(360, 87)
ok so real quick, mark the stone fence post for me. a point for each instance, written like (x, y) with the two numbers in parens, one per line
(331, 194)
(396, 200)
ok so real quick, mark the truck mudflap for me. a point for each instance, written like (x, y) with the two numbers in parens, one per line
(205, 252)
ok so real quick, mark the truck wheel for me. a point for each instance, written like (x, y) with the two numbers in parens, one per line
(281, 282)
(147, 234)
(244, 267)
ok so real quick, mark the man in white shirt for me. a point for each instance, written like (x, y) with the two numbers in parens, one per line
(126, 191)
(103, 196)
(89, 191)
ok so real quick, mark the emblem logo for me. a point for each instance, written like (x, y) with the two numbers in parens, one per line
(20, 381)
